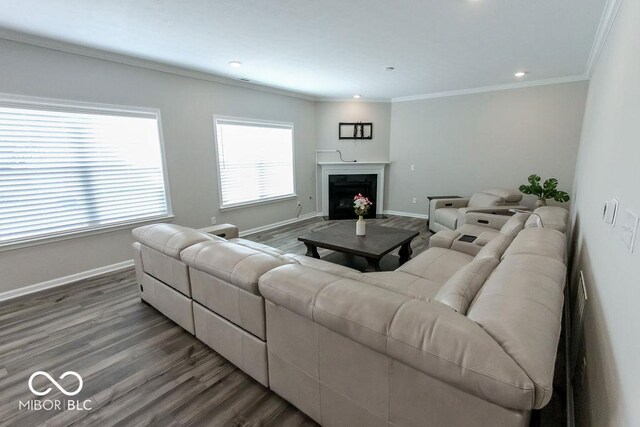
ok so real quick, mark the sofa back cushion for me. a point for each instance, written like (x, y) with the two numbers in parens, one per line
(462, 287)
(496, 247)
(509, 195)
(553, 217)
(481, 200)
(515, 224)
(539, 241)
(170, 239)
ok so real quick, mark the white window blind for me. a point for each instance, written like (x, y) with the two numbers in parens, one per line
(255, 161)
(66, 170)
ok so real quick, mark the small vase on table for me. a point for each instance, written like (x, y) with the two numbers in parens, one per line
(361, 206)
(361, 226)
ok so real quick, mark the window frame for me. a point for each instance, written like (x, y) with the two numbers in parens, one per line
(293, 195)
(72, 106)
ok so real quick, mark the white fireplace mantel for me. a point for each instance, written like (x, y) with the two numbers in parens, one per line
(352, 168)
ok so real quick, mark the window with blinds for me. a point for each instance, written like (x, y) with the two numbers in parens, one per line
(255, 161)
(65, 170)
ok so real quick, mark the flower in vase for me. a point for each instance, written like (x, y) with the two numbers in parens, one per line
(361, 204)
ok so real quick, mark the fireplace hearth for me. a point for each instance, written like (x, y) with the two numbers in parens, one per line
(342, 189)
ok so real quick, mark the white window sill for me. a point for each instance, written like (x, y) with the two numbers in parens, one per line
(67, 235)
(258, 202)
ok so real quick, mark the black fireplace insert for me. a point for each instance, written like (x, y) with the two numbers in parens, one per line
(342, 189)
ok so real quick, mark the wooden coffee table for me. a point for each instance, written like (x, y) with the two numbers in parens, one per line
(378, 242)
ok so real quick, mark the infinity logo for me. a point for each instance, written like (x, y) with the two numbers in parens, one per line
(55, 383)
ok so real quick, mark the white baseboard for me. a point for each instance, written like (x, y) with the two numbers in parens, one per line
(280, 224)
(409, 214)
(15, 293)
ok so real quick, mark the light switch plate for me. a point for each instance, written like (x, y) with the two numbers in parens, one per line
(609, 211)
(628, 229)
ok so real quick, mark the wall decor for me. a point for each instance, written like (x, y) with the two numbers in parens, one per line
(355, 130)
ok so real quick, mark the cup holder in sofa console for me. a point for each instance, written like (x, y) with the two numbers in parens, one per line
(467, 238)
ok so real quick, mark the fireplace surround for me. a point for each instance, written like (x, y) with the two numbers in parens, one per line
(329, 169)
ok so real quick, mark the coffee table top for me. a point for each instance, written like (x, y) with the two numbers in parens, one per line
(378, 242)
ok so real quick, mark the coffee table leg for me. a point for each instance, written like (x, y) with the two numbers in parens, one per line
(405, 252)
(374, 264)
(312, 251)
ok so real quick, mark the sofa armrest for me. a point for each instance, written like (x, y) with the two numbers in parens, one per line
(449, 203)
(435, 204)
(443, 239)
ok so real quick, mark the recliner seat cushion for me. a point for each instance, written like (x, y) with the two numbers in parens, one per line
(436, 264)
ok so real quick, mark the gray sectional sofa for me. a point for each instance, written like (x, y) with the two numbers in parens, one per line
(446, 339)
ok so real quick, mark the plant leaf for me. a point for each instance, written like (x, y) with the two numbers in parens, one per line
(533, 179)
(561, 196)
(550, 184)
(525, 189)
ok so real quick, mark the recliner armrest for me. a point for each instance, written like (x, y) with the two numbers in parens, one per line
(443, 239)
(449, 203)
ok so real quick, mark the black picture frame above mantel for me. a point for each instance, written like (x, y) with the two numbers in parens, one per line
(355, 130)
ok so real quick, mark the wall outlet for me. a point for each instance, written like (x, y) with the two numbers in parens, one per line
(299, 204)
(414, 200)
(213, 220)
(413, 168)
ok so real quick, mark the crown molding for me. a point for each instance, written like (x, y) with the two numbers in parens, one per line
(339, 99)
(61, 46)
(519, 85)
(604, 28)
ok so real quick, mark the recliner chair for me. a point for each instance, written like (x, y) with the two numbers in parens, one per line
(488, 207)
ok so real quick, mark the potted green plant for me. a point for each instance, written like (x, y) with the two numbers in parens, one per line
(548, 190)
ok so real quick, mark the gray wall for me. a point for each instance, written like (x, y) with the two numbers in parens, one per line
(466, 143)
(187, 106)
(608, 167)
(329, 114)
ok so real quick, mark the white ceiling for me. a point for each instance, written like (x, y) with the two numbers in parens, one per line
(332, 48)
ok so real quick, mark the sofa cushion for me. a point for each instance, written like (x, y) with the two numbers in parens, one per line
(257, 246)
(326, 266)
(480, 200)
(539, 241)
(520, 306)
(436, 264)
(436, 340)
(358, 311)
(236, 264)
(462, 287)
(447, 217)
(553, 217)
(515, 224)
(170, 239)
(403, 283)
(509, 195)
(496, 247)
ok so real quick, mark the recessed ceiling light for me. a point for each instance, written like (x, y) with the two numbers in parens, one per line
(356, 96)
(521, 73)
(389, 68)
(235, 64)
